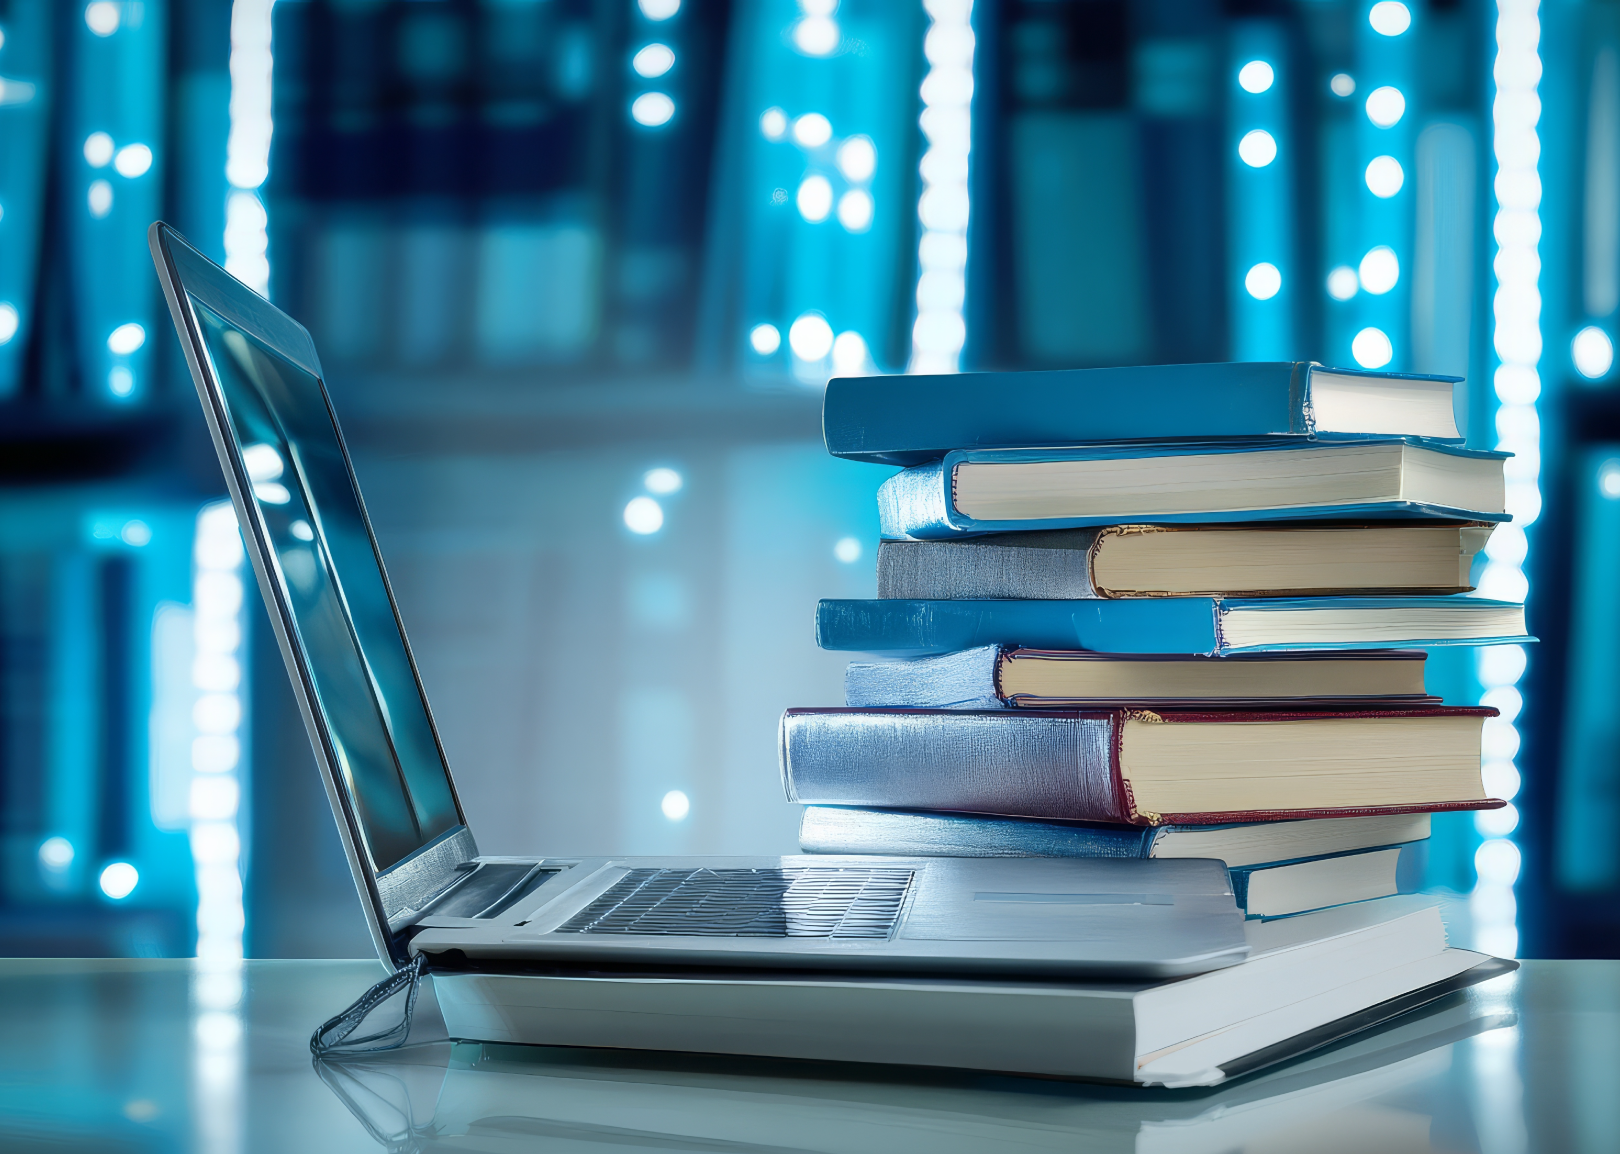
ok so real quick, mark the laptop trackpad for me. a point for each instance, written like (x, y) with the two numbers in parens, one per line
(1065, 902)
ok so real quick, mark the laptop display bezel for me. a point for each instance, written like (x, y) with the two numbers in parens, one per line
(392, 896)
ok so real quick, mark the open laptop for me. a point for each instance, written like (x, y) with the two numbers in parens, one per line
(423, 883)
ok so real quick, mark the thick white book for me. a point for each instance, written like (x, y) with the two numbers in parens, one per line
(510, 1097)
(1309, 980)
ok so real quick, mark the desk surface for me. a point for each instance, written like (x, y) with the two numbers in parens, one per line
(162, 1055)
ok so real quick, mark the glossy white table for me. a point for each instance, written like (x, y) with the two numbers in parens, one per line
(161, 1055)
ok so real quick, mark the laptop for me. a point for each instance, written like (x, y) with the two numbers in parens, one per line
(424, 885)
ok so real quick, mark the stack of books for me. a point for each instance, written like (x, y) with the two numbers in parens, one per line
(1159, 612)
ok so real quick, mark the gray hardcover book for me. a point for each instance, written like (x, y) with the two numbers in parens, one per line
(962, 680)
(1137, 767)
(1041, 566)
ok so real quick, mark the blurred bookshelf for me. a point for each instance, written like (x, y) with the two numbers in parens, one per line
(564, 256)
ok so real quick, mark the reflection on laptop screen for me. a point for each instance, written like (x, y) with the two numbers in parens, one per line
(332, 579)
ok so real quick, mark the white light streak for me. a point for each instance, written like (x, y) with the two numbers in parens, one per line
(247, 147)
(940, 330)
(216, 750)
(1516, 336)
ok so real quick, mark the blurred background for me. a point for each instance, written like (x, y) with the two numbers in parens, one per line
(579, 270)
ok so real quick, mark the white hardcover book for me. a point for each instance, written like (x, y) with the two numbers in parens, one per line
(1304, 975)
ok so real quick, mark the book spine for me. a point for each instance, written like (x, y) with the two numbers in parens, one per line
(1026, 764)
(834, 830)
(1301, 415)
(965, 680)
(1158, 625)
(908, 420)
(979, 569)
(915, 504)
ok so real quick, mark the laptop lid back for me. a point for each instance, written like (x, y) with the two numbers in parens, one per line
(323, 582)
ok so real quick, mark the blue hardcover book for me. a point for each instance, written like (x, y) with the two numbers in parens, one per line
(1277, 868)
(977, 491)
(1187, 625)
(1288, 888)
(906, 420)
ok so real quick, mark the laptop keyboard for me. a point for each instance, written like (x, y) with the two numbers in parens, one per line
(809, 902)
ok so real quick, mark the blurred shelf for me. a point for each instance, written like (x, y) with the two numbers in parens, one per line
(514, 412)
(66, 442)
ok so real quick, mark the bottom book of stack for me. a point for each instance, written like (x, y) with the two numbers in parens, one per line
(1309, 980)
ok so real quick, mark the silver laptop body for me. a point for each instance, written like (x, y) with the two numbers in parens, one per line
(422, 882)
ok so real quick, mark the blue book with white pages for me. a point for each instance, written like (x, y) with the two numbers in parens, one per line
(969, 492)
(906, 420)
(1277, 868)
(1211, 626)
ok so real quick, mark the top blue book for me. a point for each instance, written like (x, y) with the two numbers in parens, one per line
(907, 420)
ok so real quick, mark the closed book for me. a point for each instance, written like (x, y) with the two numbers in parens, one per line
(1182, 625)
(826, 829)
(997, 677)
(1187, 560)
(721, 1105)
(1309, 981)
(1289, 888)
(905, 420)
(1136, 767)
(1001, 490)
(1305, 872)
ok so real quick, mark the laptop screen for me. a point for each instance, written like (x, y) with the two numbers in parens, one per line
(361, 676)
